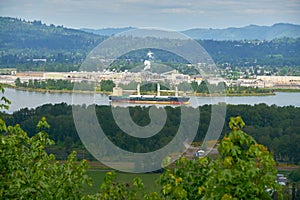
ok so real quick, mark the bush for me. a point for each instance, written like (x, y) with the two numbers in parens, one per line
(28, 172)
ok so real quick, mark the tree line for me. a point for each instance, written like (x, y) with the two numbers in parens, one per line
(204, 87)
(278, 128)
(61, 84)
(145, 87)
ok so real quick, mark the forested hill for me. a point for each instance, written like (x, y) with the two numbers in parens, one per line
(107, 31)
(251, 32)
(23, 42)
(35, 46)
(19, 34)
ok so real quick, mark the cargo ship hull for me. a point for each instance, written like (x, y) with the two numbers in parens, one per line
(148, 99)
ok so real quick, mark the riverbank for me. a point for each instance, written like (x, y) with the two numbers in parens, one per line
(271, 91)
(150, 93)
(55, 91)
(285, 90)
(193, 94)
(249, 94)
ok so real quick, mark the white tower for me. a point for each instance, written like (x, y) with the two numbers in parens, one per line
(138, 89)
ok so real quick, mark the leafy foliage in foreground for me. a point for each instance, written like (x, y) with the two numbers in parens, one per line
(186, 179)
(244, 170)
(28, 172)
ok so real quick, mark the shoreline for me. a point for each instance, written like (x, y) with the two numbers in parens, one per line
(233, 94)
(109, 93)
(55, 91)
(272, 92)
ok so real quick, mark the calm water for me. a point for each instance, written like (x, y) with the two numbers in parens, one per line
(23, 99)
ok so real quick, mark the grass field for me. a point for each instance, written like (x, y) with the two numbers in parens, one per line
(98, 176)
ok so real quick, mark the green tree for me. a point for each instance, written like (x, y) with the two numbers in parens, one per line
(28, 172)
(30, 84)
(36, 83)
(244, 170)
(186, 179)
(107, 85)
(295, 175)
(4, 102)
(18, 82)
(203, 87)
(110, 189)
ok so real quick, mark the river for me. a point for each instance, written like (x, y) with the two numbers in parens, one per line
(22, 99)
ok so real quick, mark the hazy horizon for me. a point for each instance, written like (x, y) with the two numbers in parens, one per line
(167, 14)
(124, 27)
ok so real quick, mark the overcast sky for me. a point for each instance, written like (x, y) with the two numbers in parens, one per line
(170, 14)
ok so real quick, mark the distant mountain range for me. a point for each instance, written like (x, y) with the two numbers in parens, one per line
(107, 31)
(22, 42)
(251, 32)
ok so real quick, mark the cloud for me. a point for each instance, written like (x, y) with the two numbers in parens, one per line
(177, 11)
(162, 13)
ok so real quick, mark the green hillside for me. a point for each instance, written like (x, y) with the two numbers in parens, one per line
(22, 41)
(20, 34)
(36, 46)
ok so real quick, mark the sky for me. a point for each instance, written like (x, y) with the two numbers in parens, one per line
(168, 14)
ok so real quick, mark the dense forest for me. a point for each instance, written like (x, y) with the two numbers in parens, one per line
(277, 52)
(22, 42)
(35, 46)
(276, 127)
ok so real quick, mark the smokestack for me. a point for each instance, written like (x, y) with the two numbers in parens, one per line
(138, 89)
(158, 89)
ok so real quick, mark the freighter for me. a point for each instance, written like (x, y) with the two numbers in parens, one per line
(148, 99)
